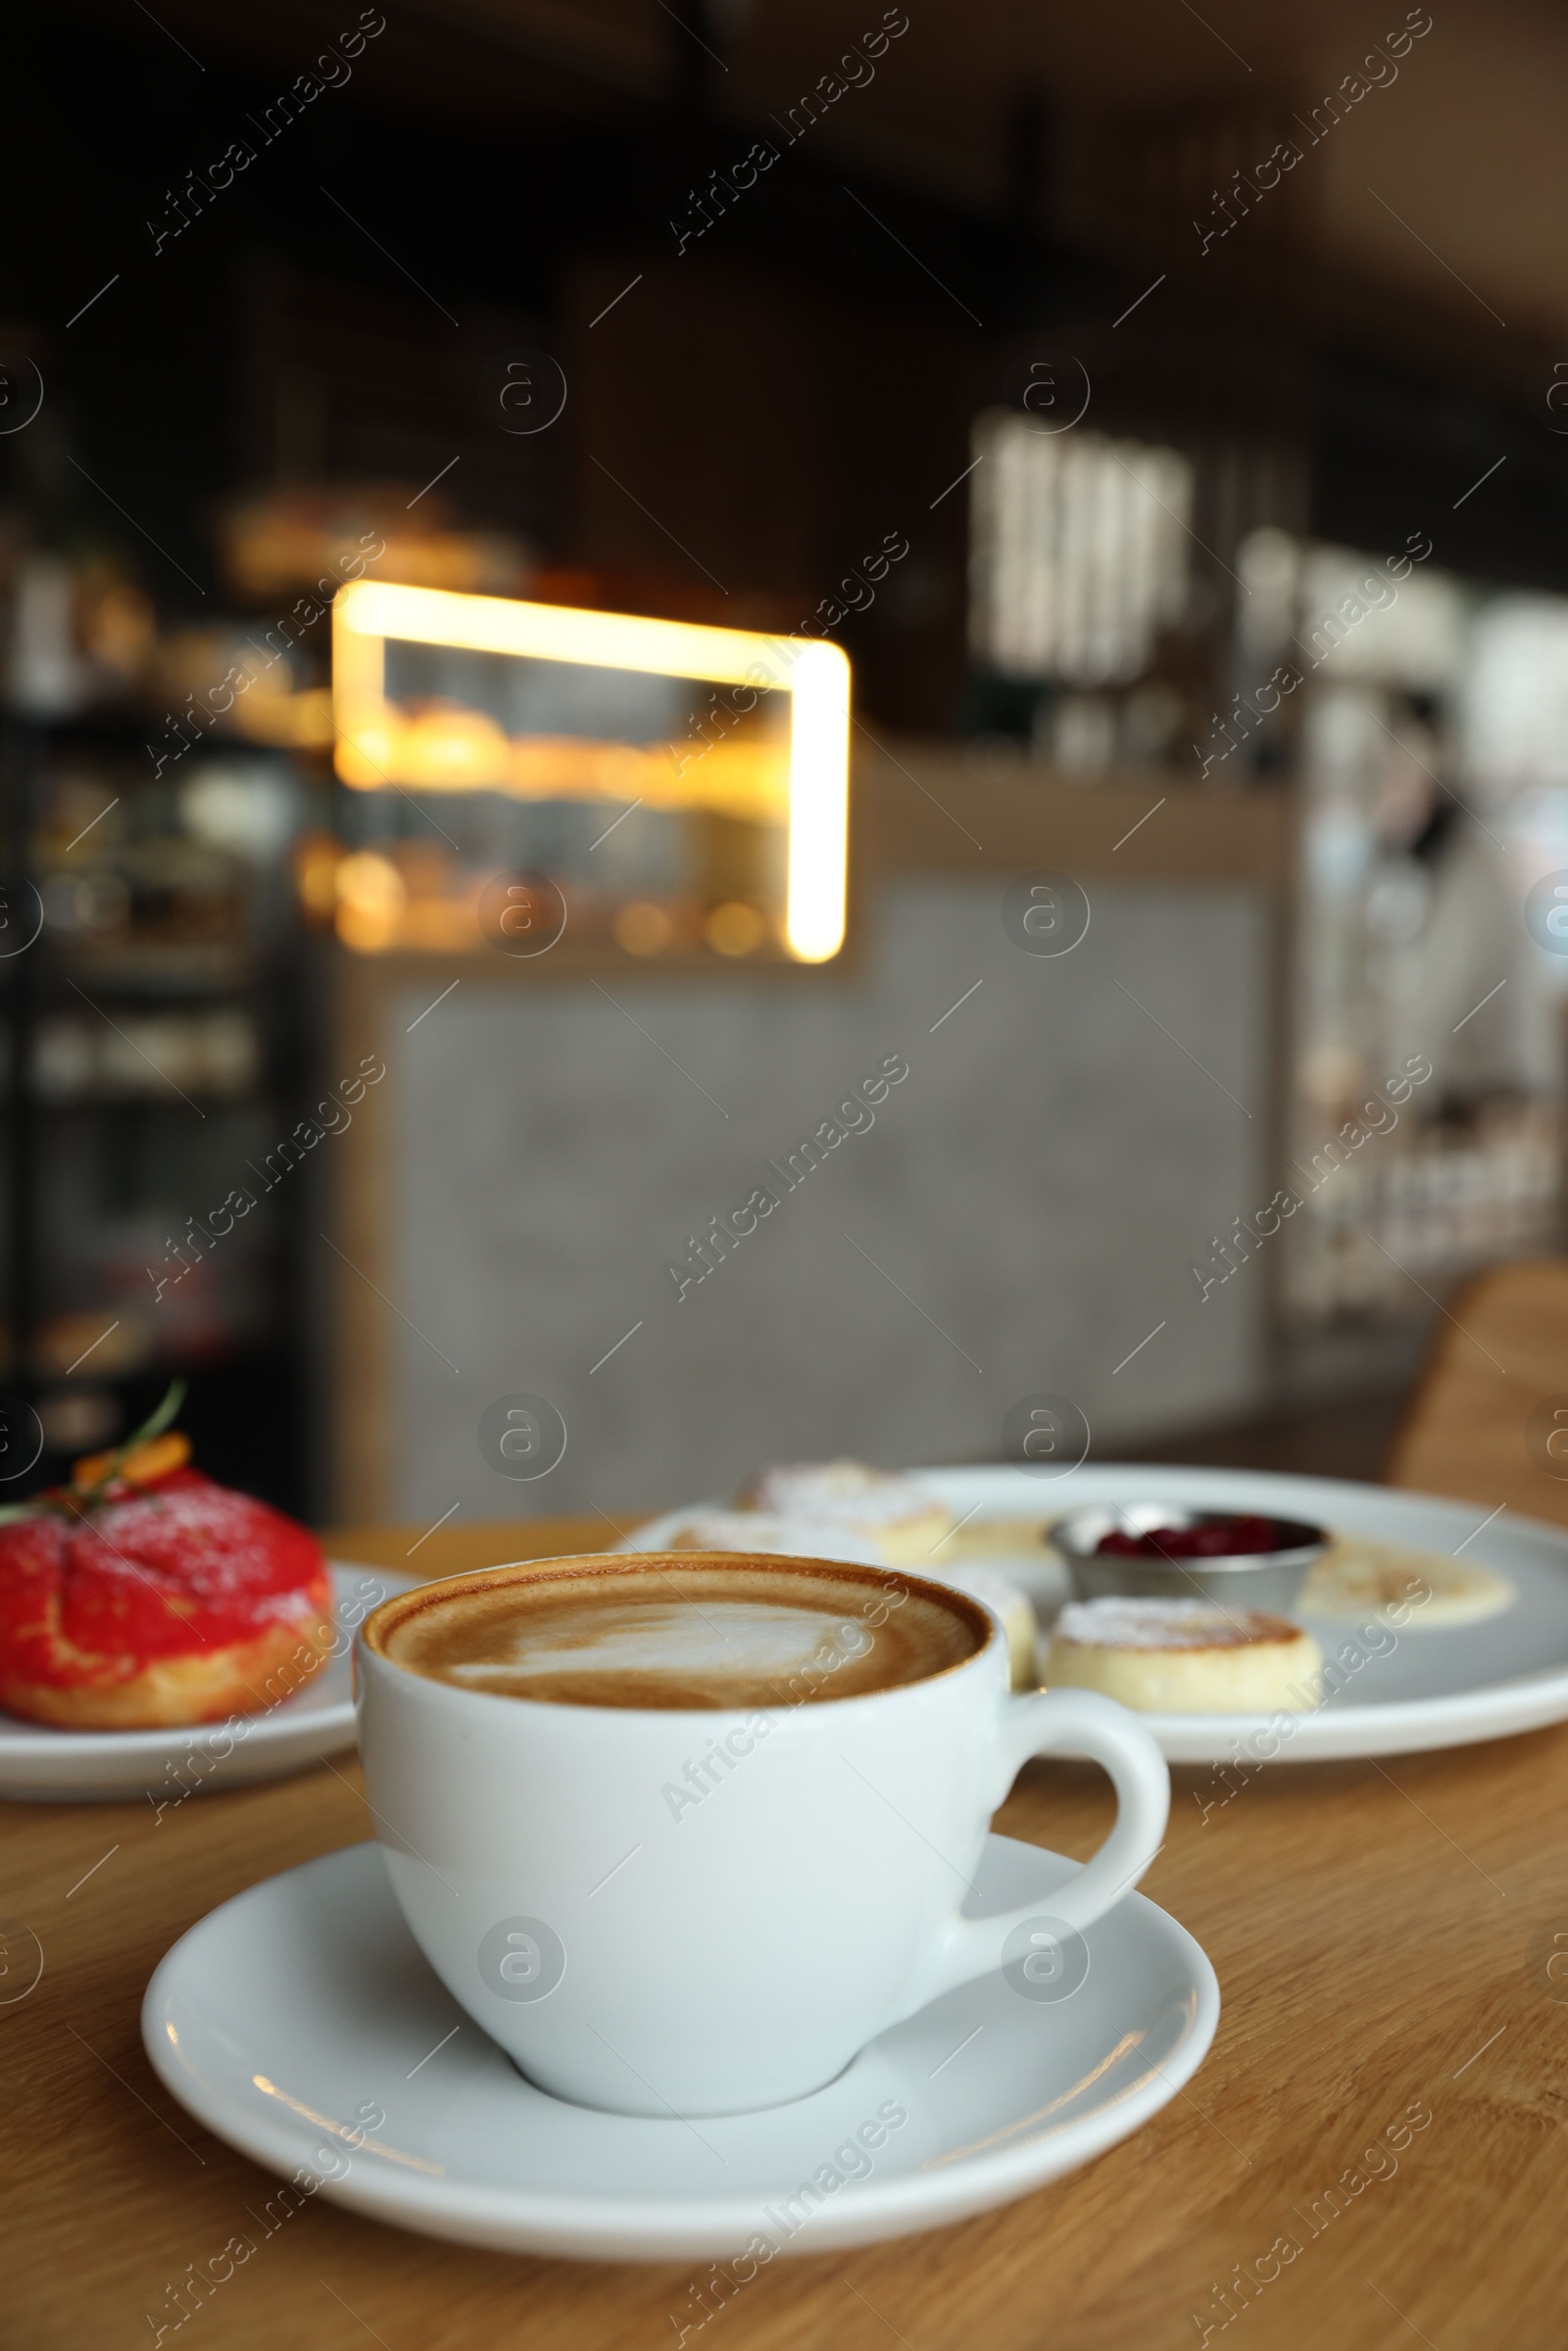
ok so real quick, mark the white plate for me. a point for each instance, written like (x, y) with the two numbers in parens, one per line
(1440, 1688)
(38, 1763)
(291, 2018)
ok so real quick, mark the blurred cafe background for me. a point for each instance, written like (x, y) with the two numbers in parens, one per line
(592, 597)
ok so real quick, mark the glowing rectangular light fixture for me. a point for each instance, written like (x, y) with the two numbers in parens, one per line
(816, 676)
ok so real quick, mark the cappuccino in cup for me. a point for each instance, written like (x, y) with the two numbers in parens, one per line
(686, 1629)
(684, 1831)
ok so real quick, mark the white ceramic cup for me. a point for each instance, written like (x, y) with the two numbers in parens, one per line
(662, 1912)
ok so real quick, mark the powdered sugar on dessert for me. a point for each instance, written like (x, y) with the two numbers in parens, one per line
(845, 1491)
(794, 1537)
(203, 1537)
(1134, 1623)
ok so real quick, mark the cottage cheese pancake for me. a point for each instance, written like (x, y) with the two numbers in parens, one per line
(905, 1519)
(679, 1629)
(1185, 1657)
(1358, 1578)
(751, 1531)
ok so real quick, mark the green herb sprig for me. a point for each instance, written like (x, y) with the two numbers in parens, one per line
(71, 1500)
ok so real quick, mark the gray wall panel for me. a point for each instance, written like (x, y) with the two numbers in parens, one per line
(1036, 1187)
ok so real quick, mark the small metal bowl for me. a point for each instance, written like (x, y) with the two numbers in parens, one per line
(1271, 1578)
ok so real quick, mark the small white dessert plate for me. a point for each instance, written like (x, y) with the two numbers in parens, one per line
(42, 1764)
(1402, 1689)
(301, 2023)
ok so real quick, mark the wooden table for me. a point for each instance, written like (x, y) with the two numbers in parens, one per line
(1381, 1936)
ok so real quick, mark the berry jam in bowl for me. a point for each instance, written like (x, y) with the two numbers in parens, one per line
(1154, 1550)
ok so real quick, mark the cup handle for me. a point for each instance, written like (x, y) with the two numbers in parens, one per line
(1071, 1721)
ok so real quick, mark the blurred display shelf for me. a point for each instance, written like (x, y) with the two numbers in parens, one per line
(117, 727)
(203, 1097)
(156, 1032)
(180, 971)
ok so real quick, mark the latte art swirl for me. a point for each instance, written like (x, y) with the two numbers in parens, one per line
(682, 1629)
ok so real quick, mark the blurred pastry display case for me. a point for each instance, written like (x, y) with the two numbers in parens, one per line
(154, 1036)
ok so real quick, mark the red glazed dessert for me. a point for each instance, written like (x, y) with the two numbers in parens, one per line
(143, 1595)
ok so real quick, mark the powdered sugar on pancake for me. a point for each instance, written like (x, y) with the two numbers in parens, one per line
(848, 1492)
(1134, 1623)
(746, 1531)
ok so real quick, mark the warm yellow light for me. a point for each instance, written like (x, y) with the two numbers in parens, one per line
(643, 928)
(298, 721)
(734, 928)
(378, 744)
(819, 804)
(557, 632)
(371, 898)
(464, 751)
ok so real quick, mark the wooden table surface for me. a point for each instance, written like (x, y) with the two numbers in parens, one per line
(1380, 1935)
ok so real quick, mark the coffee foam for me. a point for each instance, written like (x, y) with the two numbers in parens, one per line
(681, 1630)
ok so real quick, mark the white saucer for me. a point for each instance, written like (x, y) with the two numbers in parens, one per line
(1447, 1688)
(300, 2009)
(38, 1763)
